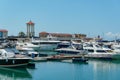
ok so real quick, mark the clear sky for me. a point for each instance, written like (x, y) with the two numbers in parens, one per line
(91, 17)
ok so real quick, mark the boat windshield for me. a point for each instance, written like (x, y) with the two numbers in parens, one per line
(101, 51)
(12, 50)
(30, 51)
(90, 50)
(97, 46)
(90, 45)
(117, 47)
(26, 50)
(8, 50)
(15, 51)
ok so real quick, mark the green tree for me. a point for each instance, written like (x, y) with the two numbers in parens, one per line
(21, 34)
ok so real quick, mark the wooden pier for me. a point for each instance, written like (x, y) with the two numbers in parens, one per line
(65, 57)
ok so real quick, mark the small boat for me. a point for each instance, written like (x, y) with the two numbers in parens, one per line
(76, 60)
(79, 60)
(29, 52)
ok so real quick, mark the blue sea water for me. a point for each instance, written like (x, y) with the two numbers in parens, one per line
(93, 70)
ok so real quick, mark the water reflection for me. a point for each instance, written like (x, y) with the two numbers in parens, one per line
(14, 74)
(105, 64)
(105, 70)
(93, 70)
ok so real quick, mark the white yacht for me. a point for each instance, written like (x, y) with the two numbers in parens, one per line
(29, 52)
(10, 58)
(96, 51)
(116, 48)
(27, 45)
(63, 44)
(48, 44)
(72, 49)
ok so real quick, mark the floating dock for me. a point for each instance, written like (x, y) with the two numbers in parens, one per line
(39, 59)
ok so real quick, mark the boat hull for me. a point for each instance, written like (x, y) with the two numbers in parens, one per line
(116, 56)
(14, 62)
(99, 56)
(79, 60)
(104, 56)
(68, 51)
(48, 47)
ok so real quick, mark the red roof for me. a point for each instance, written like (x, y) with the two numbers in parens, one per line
(61, 34)
(30, 22)
(56, 34)
(3, 30)
(43, 32)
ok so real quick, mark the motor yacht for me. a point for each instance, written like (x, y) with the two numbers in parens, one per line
(10, 58)
(116, 48)
(28, 51)
(63, 44)
(96, 51)
(48, 43)
(71, 50)
(27, 45)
